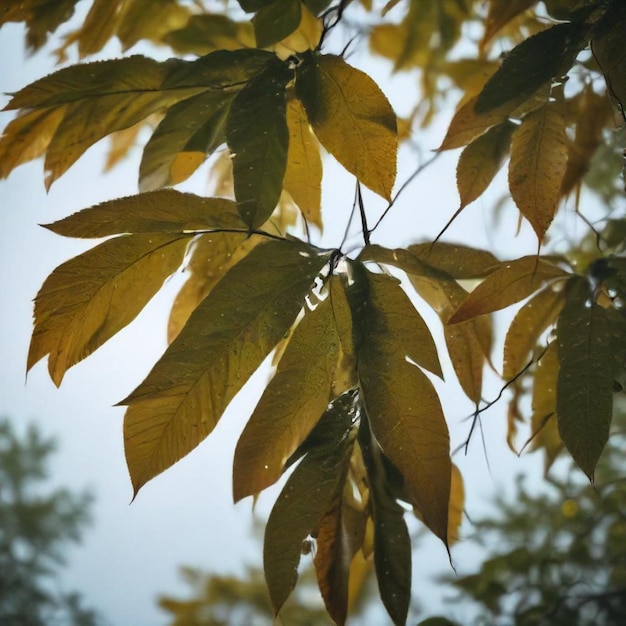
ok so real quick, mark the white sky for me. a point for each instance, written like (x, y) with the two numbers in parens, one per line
(186, 516)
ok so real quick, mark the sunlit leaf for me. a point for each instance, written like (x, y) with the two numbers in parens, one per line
(537, 166)
(91, 297)
(120, 145)
(258, 138)
(162, 211)
(530, 64)
(294, 400)
(303, 176)
(275, 21)
(352, 118)
(457, 502)
(481, 161)
(401, 403)
(584, 398)
(512, 282)
(457, 260)
(607, 38)
(527, 327)
(319, 478)
(224, 341)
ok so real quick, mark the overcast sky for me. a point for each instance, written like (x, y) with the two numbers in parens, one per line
(185, 516)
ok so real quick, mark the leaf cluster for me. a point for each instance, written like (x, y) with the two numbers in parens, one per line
(351, 412)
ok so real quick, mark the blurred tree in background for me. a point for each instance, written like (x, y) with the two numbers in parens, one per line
(36, 526)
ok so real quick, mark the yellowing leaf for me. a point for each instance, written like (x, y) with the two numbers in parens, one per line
(481, 161)
(163, 211)
(456, 260)
(120, 144)
(90, 298)
(295, 517)
(584, 400)
(527, 326)
(402, 405)
(294, 400)
(537, 166)
(258, 137)
(512, 282)
(352, 118)
(303, 176)
(305, 37)
(224, 341)
(457, 502)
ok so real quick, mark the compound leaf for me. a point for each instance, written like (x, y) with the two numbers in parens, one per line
(224, 341)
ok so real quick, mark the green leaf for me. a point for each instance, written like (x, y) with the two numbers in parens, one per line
(527, 326)
(537, 167)
(163, 211)
(88, 299)
(530, 64)
(307, 496)
(276, 21)
(258, 138)
(402, 405)
(392, 543)
(481, 161)
(352, 118)
(511, 282)
(585, 385)
(224, 341)
(196, 126)
(457, 260)
(295, 398)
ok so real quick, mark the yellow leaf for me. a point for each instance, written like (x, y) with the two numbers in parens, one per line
(352, 118)
(91, 297)
(481, 161)
(527, 326)
(537, 166)
(224, 341)
(305, 37)
(303, 176)
(500, 13)
(294, 400)
(120, 144)
(512, 282)
(457, 502)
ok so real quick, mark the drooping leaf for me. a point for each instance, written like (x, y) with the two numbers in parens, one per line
(303, 176)
(584, 400)
(481, 161)
(402, 405)
(607, 37)
(191, 129)
(511, 282)
(295, 398)
(500, 13)
(527, 326)
(537, 166)
(162, 211)
(352, 118)
(530, 64)
(275, 21)
(305, 499)
(88, 299)
(543, 422)
(258, 138)
(392, 544)
(339, 536)
(224, 341)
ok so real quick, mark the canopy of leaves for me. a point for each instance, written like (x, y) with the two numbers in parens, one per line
(260, 91)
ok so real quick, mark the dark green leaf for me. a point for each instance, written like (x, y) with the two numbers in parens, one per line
(585, 384)
(258, 137)
(530, 64)
(276, 21)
